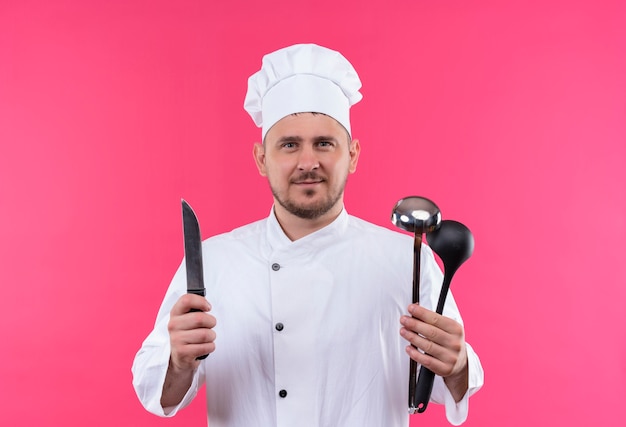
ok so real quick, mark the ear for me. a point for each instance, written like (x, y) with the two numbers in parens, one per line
(259, 158)
(355, 150)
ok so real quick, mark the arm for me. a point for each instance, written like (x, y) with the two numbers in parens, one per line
(153, 360)
(464, 374)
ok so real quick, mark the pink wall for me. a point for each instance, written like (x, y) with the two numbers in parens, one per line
(510, 115)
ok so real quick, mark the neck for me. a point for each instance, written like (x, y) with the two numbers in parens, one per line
(296, 228)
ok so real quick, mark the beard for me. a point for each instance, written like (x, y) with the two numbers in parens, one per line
(309, 210)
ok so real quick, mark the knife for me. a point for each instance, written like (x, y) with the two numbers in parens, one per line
(193, 255)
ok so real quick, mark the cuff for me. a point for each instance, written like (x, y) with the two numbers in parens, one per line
(457, 412)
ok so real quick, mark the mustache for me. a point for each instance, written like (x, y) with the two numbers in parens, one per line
(307, 176)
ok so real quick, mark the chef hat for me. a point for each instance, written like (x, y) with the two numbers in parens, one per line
(302, 78)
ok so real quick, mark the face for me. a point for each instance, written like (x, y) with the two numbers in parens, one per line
(307, 158)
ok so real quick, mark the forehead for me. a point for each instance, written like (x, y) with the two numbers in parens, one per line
(306, 125)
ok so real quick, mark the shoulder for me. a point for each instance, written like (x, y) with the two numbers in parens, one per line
(370, 230)
(377, 241)
(240, 235)
(386, 240)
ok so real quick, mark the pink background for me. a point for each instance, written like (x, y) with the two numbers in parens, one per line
(511, 115)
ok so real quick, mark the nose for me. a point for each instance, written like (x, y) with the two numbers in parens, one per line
(308, 160)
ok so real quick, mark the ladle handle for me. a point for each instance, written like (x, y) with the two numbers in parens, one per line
(417, 250)
(426, 379)
(447, 278)
(424, 388)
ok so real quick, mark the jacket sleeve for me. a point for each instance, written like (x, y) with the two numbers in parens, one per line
(456, 412)
(152, 360)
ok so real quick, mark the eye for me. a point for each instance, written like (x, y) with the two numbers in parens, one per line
(288, 145)
(325, 144)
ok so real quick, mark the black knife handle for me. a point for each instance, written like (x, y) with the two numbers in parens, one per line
(202, 293)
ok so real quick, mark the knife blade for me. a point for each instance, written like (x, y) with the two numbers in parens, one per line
(193, 254)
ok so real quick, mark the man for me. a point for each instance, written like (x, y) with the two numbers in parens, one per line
(304, 307)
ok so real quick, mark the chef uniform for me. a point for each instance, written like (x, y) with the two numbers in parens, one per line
(307, 330)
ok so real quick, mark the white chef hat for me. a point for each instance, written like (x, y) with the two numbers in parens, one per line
(302, 78)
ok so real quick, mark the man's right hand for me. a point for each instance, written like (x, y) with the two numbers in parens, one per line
(191, 333)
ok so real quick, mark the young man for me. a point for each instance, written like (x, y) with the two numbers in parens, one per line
(306, 320)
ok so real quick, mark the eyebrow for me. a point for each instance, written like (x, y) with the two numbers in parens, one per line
(287, 139)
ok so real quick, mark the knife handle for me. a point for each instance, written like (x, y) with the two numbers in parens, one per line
(202, 293)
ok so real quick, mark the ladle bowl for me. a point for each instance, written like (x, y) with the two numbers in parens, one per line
(416, 215)
(453, 242)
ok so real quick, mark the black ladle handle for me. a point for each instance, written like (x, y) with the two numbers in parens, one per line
(424, 388)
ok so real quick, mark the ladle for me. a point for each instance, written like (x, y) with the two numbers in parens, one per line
(453, 242)
(417, 215)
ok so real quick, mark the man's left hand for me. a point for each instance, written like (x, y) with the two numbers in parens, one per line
(442, 341)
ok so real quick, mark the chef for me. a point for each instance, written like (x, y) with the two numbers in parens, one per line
(308, 318)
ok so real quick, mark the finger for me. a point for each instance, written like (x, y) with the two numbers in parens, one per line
(194, 336)
(439, 367)
(448, 355)
(191, 321)
(440, 329)
(426, 331)
(188, 355)
(188, 302)
(186, 346)
(432, 318)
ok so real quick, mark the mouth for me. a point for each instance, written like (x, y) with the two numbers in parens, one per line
(309, 182)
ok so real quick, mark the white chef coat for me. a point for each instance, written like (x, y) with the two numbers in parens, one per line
(307, 330)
